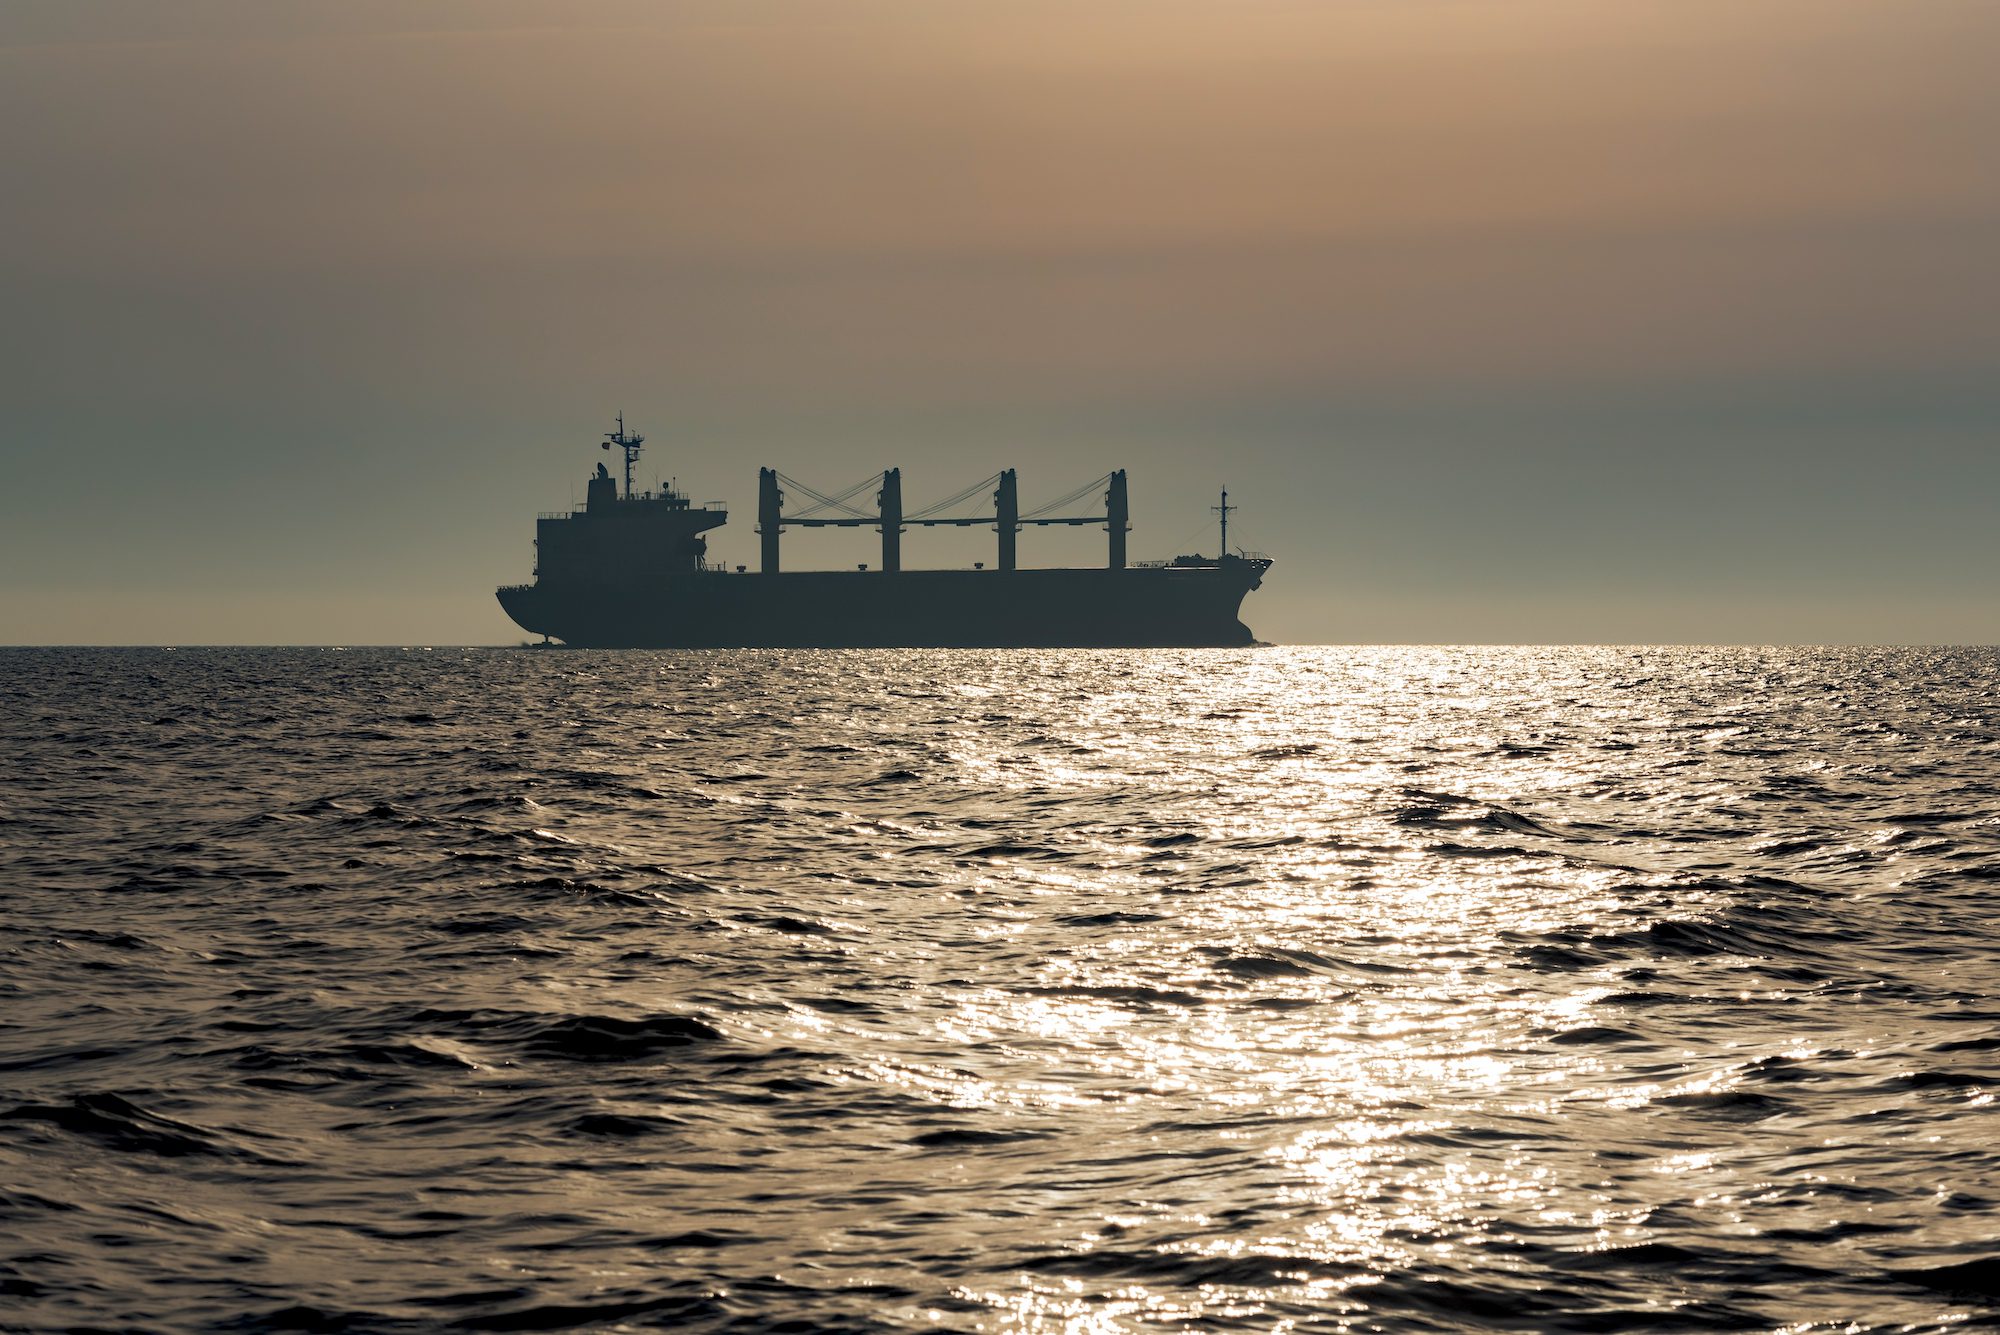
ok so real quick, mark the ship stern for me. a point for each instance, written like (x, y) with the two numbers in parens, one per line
(527, 607)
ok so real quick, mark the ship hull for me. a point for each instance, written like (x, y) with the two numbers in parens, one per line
(830, 609)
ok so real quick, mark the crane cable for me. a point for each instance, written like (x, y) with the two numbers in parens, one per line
(838, 502)
(1060, 502)
(955, 498)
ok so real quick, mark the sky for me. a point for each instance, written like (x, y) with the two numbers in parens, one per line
(1511, 321)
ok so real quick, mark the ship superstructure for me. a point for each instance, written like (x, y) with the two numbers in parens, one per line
(630, 570)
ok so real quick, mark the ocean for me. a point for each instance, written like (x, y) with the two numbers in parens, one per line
(1307, 989)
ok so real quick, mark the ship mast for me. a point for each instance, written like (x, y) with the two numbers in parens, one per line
(1223, 510)
(630, 444)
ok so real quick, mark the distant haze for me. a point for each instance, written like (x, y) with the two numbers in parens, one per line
(1543, 320)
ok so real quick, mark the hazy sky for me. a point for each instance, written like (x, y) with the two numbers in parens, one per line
(1504, 320)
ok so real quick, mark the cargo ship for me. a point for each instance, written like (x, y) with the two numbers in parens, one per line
(630, 570)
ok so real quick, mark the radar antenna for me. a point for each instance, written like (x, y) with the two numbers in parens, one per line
(630, 444)
(1223, 510)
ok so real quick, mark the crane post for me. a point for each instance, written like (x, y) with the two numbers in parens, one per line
(1007, 516)
(891, 503)
(769, 501)
(1117, 517)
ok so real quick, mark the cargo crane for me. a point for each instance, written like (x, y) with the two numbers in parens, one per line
(891, 519)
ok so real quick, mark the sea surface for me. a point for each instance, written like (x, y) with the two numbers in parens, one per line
(1279, 989)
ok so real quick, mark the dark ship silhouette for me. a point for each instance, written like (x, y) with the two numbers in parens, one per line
(631, 571)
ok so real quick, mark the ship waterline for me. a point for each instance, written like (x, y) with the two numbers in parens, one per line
(629, 571)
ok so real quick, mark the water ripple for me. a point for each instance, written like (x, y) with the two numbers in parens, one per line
(1569, 990)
